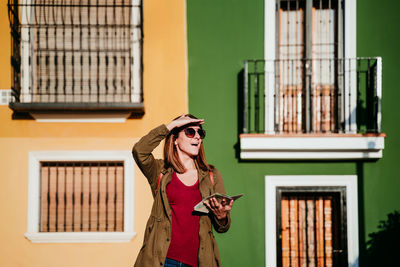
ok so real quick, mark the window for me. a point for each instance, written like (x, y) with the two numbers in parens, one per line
(311, 97)
(77, 52)
(311, 220)
(79, 196)
(310, 62)
(82, 196)
(311, 226)
(309, 43)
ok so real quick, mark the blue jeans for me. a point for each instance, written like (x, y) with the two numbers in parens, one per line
(174, 263)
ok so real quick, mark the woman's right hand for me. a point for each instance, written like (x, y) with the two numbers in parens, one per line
(183, 120)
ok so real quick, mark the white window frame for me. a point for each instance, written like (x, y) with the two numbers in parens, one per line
(350, 51)
(26, 51)
(274, 181)
(35, 159)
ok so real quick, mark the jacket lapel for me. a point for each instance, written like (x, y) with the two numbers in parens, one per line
(205, 190)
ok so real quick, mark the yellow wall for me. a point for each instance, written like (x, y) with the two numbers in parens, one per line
(165, 96)
(5, 51)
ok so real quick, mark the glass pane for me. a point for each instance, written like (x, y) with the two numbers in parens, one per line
(307, 69)
(290, 67)
(324, 65)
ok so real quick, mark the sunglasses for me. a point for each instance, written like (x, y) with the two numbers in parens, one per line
(190, 132)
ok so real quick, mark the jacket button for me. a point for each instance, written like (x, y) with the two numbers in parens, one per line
(167, 239)
(202, 248)
(161, 263)
(158, 219)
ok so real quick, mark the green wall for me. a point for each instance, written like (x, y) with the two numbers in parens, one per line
(378, 34)
(221, 35)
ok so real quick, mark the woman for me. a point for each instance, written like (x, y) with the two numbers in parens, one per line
(175, 235)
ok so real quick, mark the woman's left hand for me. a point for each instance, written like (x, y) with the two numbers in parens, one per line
(220, 210)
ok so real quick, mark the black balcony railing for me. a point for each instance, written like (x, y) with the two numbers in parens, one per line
(312, 96)
(76, 55)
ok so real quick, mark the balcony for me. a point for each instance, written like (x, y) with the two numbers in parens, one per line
(76, 61)
(312, 109)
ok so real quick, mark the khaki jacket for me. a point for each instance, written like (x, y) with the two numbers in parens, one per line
(157, 234)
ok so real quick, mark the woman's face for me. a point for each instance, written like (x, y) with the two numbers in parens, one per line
(187, 145)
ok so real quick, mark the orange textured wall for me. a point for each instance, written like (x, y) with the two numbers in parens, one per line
(164, 78)
(5, 51)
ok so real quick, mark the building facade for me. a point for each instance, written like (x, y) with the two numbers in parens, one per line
(298, 98)
(87, 79)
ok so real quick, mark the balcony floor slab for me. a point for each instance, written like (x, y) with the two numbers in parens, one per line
(311, 147)
(77, 112)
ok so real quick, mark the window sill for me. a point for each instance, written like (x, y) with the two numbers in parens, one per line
(83, 237)
(311, 147)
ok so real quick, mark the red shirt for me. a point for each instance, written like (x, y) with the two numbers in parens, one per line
(184, 245)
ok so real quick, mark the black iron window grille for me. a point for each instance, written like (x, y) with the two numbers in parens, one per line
(67, 51)
(324, 102)
(82, 197)
(309, 85)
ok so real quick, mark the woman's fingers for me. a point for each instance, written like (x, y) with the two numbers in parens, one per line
(212, 204)
(219, 210)
(183, 120)
(229, 206)
(186, 120)
(223, 205)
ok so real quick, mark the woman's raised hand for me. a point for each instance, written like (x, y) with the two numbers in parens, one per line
(183, 120)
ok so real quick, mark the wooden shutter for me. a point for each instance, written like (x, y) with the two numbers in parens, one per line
(82, 197)
(307, 230)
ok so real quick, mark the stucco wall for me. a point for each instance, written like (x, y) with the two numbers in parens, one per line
(165, 97)
(217, 46)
